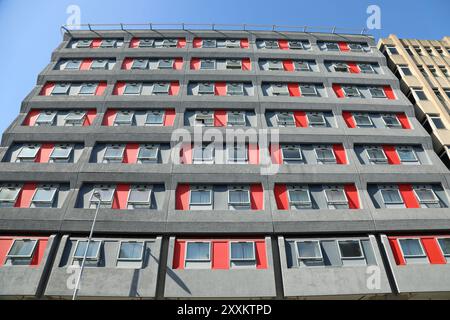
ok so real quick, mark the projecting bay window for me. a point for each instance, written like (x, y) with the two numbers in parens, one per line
(316, 119)
(28, 153)
(61, 89)
(376, 155)
(242, 254)
(291, 154)
(206, 88)
(21, 252)
(114, 154)
(238, 198)
(299, 198)
(198, 255)
(88, 89)
(391, 121)
(308, 90)
(391, 197)
(363, 120)
(155, 118)
(103, 196)
(61, 154)
(44, 197)
(235, 89)
(139, 197)
(124, 118)
(407, 155)
(280, 89)
(148, 154)
(426, 197)
(285, 119)
(46, 118)
(201, 198)
(236, 118)
(92, 253)
(340, 67)
(75, 118)
(351, 92)
(133, 89)
(204, 118)
(161, 88)
(325, 154)
(140, 64)
(8, 196)
(336, 198)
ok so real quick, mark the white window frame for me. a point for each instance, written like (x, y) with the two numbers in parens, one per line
(253, 258)
(401, 201)
(122, 122)
(144, 64)
(398, 125)
(28, 159)
(298, 148)
(296, 45)
(66, 86)
(416, 159)
(423, 255)
(374, 96)
(197, 260)
(336, 202)
(316, 124)
(134, 85)
(359, 47)
(146, 43)
(434, 201)
(275, 65)
(274, 44)
(131, 259)
(114, 159)
(325, 160)
(285, 123)
(238, 85)
(30, 256)
(204, 118)
(17, 189)
(142, 159)
(352, 95)
(239, 204)
(204, 147)
(61, 159)
(91, 258)
(234, 64)
(206, 85)
(232, 43)
(201, 204)
(299, 63)
(102, 64)
(49, 122)
(377, 160)
(83, 43)
(337, 66)
(362, 256)
(326, 44)
(102, 202)
(155, 112)
(299, 203)
(169, 66)
(241, 114)
(281, 89)
(160, 88)
(140, 203)
(363, 125)
(234, 147)
(49, 202)
(309, 94)
(89, 85)
(316, 258)
(213, 43)
(370, 67)
(75, 62)
(440, 246)
(71, 120)
(204, 60)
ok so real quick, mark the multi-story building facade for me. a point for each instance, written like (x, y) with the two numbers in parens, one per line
(423, 67)
(356, 207)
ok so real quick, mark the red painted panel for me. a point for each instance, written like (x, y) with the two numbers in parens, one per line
(343, 46)
(178, 64)
(353, 67)
(197, 43)
(96, 43)
(283, 44)
(127, 63)
(169, 117)
(121, 197)
(348, 118)
(5, 245)
(31, 117)
(389, 92)
(131, 153)
(86, 64)
(281, 196)
(288, 65)
(220, 118)
(352, 195)
(257, 197)
(261, 255)
(90, 117)
(300, 119)
(43, 155)
(47, 89)
(186, 153)
(134, 43)
(246, 64)
(181, 43)
(275, 154)
(391, 154)
(39, 252)
(294, 89)
(108, 119)
(244, 43)
(174, 88)
(220, 89)
(338, 90)
(182, 197)
(220, 255)
(397, 252)
(195, 64)
(253, 153)
(339, 151)
(25, 195)
(101, 87)
(119, 88)
(408, 196)
(433, 250)
(403, 119)
(178, 254)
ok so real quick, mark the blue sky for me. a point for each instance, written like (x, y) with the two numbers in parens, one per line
(30, 29)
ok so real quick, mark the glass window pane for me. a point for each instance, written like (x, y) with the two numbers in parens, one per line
(131, 250)
(325, 154)
(132, 88)
(22, 249)
(92, 252)
(155, 117)
(309, 250)
(165, 64)
(160, 88)
(114, 153)
(239, 197)
(332, 46)
(411, 248)
(61, 89)
(407, 155)
(61, 152)
(377, 93)
(291, 153)
(84, 43)
(271, 44)
(275, 65)
(209, 43)
(350, 249)
(207, 64)
(242, 251)
(445, 246)
(141, 195)
(391, 121)
(9, 194)
(351, 91)
(146, 43)
(201, 197)
(391, 196)
(28, 152)
(106, 194)
(235, 89)
(308, 90)
(124, 118)
(99, 64)
(425, 195)
(376, 154)
(316, 119)
(299, 196)
(46, 118)
(302, 66)
(148, 153)
(139, 64)
(73, 65)
(236, 118)
(335, 196)
(198, 251)
(75, 116)
(362, 120)
(88, 88)
(44, 195)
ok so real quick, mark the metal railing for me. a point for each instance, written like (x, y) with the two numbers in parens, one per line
(209, 26)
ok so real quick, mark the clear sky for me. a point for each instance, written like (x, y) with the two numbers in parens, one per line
(30, 30)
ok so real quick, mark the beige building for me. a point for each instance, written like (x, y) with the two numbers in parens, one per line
(423, 67)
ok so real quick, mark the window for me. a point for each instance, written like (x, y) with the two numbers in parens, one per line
(239, 199)
(351, 92)
(232, 43)
(444, 71)
(207, 64)
(204, 118)
(405, 70)
(438, 50)
(447, 92)
(340, 67)
(209, 43)
(422, 71)
(28, 153)
(419, 94)
(444, 243)
(235, 89)
(302, 66)
(437, 122)
(429, 51)
(139, 64)
(295, 45)
(133, 88)
(167, 43)
(148, 154)
(308, 90)
(242, 252)
(99, 64)
(439, 95)
(433, 71)
(198, 252)
(376, 155)
(426, 195)
(331, 46)
(201, 197)
(234, 64)
(139, 198)
(391, 49)
(82, 44)
(418, 50)
(88, 89)
(22, 249)
(350, 249)
(366, 68)
(285, 119)
(391, 121)
(114, 154)
(391, 196)
(362, 120)
(316, 119)
(106, 197)
(92, 252)
(300, 198)
(325, 154)
(407, 154)
(44, 197)
(124, 117)
(309, 250)
(72, 65)
(75, 118)
(160, 88)
(411, 248)
(293, 154)
(146, 43)
(61, 89)
(206, 88)
(131, 251)
(275, 65)
(203, 153)
(8, 196)
(237, 153)
(108, 43)
(155, 118)
(61, 153)
(165, 64)
(271, 44)
(336, 196)
(280, 89)
(377, 93)
(236, 118)
(46, 118)
(356, 47)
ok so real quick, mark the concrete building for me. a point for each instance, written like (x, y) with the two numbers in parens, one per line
(356, 207)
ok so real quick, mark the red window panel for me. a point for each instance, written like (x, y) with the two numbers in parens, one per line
(119, 88)
(86, 64)
(39, 252)
(403, 119)
(396, 251)
(121, 197)
(246, 64)
(134, 43)
(294, 90)
(220, 255)
(389, 92)
(47, 89)
(281, 196)
(169, 117)
(253, 153)
(131, 153)
(301, 120)
(43, 155)
(181, 43)
(343, 46)
(5, 245)
(101, 87)
(352, 195)
(174, 88)
(353, 67)
(220, 118)
(127, 63)
(182, 197)
(195, 64)
(275, 154)
(178, 64)
(90, 117)
(197, 43)
(96, 43)
(179, 252)
(339, 151)
(31, 117)
(407, 193)
(108, 119)
(186, 153)
(261, 254)
(220, 89)
(433, 251)
(25, 195)
(244, 43)
(288, 65)
(257, 197)
(338, 90)
(391, 154)
(348, 118)
(283, 44)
